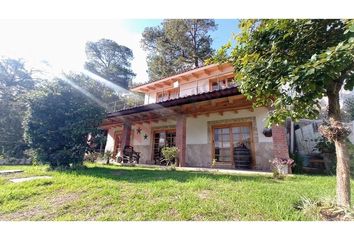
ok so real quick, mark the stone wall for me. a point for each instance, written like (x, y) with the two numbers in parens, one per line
(264, 153)
(198, 155)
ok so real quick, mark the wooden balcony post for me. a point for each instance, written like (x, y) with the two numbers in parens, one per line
(181, 139)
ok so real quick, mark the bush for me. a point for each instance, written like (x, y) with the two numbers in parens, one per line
(328, 151)
(58, 123)
(93, 157)
(107, 156)
(298, 163)
(280, 167)
(170, 154)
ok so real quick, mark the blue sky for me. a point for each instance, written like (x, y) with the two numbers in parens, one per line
(58, 46)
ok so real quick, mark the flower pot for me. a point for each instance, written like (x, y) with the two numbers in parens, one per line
(283, 169)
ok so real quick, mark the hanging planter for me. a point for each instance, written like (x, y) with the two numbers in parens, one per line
(267, 132)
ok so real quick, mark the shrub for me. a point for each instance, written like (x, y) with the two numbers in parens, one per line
(107, 156)
(93, 157)
(58, 123)
(328, 151)
(170, 154)
(298, 163)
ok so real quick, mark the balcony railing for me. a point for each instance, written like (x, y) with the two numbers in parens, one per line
(118, 106)
(198, 87)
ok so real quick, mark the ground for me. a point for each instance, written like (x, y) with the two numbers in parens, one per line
(101, 192)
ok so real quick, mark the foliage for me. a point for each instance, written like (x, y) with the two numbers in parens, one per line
(280, 167)
(93, 156)
(213, 162)
(324, 209)
(15, 83)
(323, 145)
(334, 130)
(169, 154)
(58, 123)
(110, 61)
(107, 156)
(96, 90)
(290, 65)
(177, 45)
(298, 163)
(328, 151)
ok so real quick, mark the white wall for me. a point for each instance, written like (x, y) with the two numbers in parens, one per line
(197, 128)
(150, 98)
(110, 140)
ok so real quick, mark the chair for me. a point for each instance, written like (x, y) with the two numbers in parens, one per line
(130, 156)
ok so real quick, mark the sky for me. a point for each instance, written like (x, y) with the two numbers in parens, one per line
(59, 45)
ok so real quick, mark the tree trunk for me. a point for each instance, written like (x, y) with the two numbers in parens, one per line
(343, 169)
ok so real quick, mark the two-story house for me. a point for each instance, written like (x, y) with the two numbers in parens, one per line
(202, 113)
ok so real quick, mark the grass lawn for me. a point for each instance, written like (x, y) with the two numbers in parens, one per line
(102, 192)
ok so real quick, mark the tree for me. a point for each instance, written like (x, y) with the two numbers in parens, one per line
(15, 83)
(290, 65)
(58, 123)
(177, 45)
(110, 61)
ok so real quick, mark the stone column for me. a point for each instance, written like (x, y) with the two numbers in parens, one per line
(127, 128)
(181, 139)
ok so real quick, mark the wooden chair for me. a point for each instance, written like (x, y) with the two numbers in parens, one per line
(130, 156)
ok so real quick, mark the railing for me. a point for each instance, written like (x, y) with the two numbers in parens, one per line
(199, 86)
(184, 92)
(118, 106)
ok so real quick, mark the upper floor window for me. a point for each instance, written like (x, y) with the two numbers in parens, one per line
(222, 83)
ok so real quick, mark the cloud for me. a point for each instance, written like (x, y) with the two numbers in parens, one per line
(61, 43)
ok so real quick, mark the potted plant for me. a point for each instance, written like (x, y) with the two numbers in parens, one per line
(170, 155)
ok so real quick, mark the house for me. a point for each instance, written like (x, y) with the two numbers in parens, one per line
(202, 112)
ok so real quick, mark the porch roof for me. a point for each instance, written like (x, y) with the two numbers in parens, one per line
(232, 91)
(219, 101)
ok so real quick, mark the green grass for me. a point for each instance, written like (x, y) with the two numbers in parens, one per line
(102, 192)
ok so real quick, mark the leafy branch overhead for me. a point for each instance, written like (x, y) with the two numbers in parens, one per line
(290, 65)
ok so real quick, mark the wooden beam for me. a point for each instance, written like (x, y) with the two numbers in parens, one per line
(184, 78)
(207, 72)
(195, 75)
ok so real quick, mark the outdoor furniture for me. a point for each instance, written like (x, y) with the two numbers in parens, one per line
(130, 156)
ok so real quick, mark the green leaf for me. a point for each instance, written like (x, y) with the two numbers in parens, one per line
(310, 72)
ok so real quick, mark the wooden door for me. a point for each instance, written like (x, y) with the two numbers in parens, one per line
(228, 141)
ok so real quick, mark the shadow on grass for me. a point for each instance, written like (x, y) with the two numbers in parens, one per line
(140, 175)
